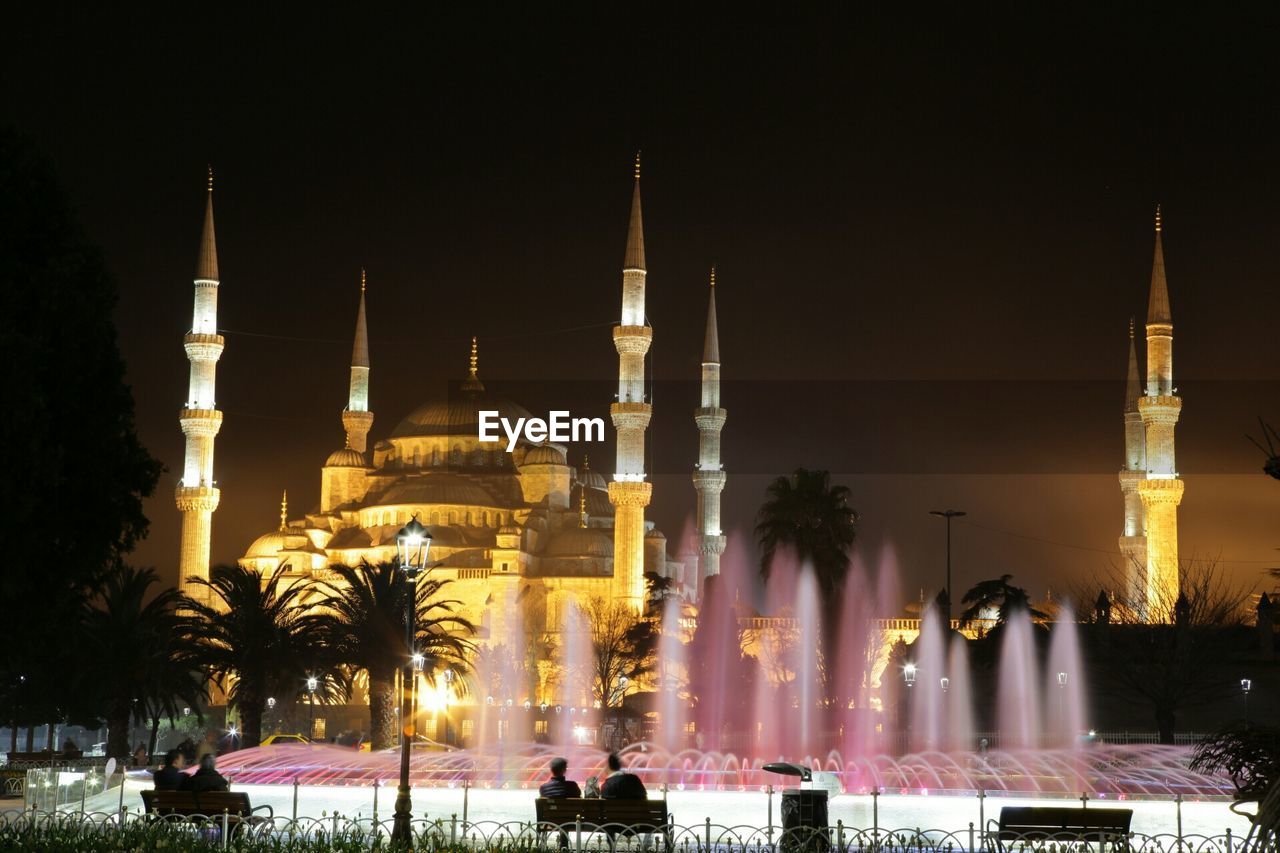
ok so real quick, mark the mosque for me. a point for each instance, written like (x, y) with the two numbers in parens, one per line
(519, 534)
(523, 535)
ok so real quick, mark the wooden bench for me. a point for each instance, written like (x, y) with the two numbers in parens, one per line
(600, 815)
(1055, 823)
(210, 804)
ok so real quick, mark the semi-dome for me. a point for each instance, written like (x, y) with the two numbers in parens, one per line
(345, 458)
(581, 542)
(544, 454)
(438, 489)
(593, 479)
(459, 415)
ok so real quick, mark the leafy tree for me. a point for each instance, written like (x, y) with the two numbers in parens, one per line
(136, 667)
(999, 595)
(361, 620)
(1250, 755)
(75, 473)
(250, 638)
(809, 515)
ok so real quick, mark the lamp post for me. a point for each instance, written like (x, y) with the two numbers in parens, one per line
(312, 684)
(909, 676)
(413, 542)
(444, 705)
(1062, 707)
(271, 708)
(948, 514)
(1246, 685)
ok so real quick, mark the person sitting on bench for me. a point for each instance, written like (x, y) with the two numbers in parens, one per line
(170, 776)
(621, 785)
(558, 787)
(207, 778)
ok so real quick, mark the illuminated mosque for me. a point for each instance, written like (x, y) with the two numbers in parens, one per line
(525, 535)
(519, 534)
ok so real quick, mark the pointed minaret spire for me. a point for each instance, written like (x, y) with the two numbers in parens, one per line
(634, 259)
(284, 510)
(582, 506)
(207, 263)
(1161, 489)
(630, 492)
(711, 343)
(197, 496)
(1158, 307)
(708, 475)
(1133, 385)
(357, 420)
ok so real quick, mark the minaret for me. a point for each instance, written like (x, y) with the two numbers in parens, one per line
(356, 418)
(1133, 539)
(629, 492)
(708, 476)
(1161, 491)
(197, 496)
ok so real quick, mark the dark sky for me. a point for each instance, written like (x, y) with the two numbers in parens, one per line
(930, 234)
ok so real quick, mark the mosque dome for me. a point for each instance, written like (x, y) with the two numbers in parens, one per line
(459, 415)
(593, 479)
(438, 489)
(269, 545)
(345, 458)
(581, 542)
(544, 454)
(655, 533)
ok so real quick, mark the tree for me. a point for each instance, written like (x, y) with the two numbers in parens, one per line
(135, 667)
(1250, 755)
(251, 638)
(360, 618)
(812, 517)
(624, 649)
(999, 595)
(75, 473)
(1171, 666)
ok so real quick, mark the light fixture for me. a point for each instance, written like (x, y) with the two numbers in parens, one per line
(946, 682)
(1062, 679)
(909, 674)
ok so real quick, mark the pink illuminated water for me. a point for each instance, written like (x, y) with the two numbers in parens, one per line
(959, 702)
(1018, 690)
(926, 696)
(1065, 683)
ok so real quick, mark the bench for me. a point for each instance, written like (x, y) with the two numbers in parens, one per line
(600, 815)
(1054, 823)
(210, 804)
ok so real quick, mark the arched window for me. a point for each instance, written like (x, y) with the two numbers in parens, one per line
(435, 457)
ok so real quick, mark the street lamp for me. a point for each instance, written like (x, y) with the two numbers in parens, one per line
(1246, 685)
(909, 674)
(312, 684)
(948, 514)
(444, 705)
(945, 682)
(413, 543)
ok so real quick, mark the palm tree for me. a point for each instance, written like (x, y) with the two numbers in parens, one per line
(812, 517)
(251, 639)
(999, 595)
(361, 619)
(132, 643)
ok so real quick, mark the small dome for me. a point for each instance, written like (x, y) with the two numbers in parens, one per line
(345, 458)
(581, 542)
(593, 479)
(655, 533)
(544, 454)
(269, 545)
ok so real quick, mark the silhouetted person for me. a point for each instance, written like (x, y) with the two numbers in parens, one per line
(140, 756)
(558, 787)
(207, 778)
(621, 785)
(170, 776)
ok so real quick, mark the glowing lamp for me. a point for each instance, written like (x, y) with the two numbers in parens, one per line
(413, 542)
(909, 674)
(946, 682)
(1246, 684)
(1062, 679)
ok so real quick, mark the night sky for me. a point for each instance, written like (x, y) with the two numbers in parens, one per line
(930, 234)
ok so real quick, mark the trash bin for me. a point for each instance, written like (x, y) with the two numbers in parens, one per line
(804, 814)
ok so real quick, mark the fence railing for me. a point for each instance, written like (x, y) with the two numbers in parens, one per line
(220, 830)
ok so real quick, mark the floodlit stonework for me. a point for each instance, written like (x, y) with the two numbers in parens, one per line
(522, 535)
(1149, 480)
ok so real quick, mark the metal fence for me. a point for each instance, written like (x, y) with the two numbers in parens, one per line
(221, 830)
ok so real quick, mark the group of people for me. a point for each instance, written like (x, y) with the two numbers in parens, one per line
(618, 785)
(171, 775)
